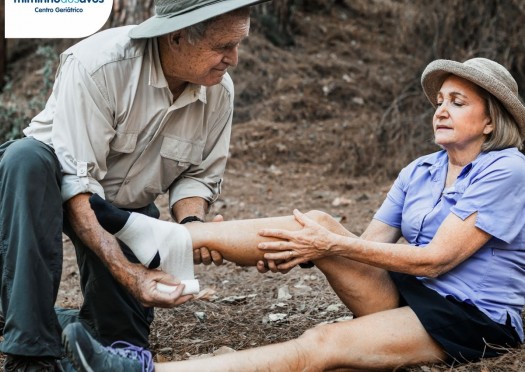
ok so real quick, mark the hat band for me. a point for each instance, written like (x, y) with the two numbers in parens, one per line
(181, 7)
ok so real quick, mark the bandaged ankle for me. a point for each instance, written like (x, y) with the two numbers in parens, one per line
(145, 236)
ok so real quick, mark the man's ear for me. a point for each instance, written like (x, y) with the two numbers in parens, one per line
(174, 38)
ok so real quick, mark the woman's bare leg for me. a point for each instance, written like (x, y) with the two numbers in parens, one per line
(384, 340)
(237, 240)
(363, 288)
(382, 337)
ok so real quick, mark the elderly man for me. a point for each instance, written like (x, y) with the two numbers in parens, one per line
(135, 112)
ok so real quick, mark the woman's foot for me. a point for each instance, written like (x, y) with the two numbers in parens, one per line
(109, 217)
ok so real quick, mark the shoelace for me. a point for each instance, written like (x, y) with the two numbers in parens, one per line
(132, 352)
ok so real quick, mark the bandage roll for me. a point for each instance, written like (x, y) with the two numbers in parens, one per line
(190, 287)
(145, 236)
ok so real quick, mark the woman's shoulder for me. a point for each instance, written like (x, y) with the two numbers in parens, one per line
(509, 160)
(510, 156)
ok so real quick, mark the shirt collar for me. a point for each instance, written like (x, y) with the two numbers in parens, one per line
(192, 93)
(156, 76)
(438, 161)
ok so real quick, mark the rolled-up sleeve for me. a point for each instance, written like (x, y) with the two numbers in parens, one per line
(82, 129)
(204, 179)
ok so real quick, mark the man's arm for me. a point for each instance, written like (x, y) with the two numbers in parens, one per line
(197, 207)
(141, 282)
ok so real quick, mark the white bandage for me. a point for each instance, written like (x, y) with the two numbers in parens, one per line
(146, 235)
(190, 287)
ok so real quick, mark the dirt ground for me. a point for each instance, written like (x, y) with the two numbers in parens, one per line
(302, 138)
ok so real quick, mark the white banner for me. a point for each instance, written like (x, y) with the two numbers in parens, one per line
(55, 18)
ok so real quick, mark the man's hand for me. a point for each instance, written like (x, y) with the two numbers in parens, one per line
(143, 286)
(139, 281)
(204, 255)
(271, 265)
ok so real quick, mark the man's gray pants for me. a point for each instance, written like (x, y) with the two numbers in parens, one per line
(31, 226)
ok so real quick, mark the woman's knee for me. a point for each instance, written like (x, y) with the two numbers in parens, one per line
(327, 221)
(320, 217)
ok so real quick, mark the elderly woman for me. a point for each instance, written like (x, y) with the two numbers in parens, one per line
(453, 293)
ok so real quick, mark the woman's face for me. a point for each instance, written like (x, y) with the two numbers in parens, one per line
(461, 121)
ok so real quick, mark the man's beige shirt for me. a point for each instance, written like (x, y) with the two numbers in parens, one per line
(117, 132)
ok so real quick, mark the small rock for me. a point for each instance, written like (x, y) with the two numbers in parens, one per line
(276, 317)
(283, 293)
(224, 350)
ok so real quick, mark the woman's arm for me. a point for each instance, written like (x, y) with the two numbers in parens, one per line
(378, 231)
(454, 241)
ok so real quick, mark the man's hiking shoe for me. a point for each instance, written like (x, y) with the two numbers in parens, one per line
(20, 363)
(88, 355)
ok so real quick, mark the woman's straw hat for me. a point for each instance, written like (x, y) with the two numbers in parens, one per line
(487, 74)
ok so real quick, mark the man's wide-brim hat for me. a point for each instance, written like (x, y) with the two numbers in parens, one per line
(485, 73)
(174, 15)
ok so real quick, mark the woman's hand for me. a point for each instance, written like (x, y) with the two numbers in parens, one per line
(312, 242)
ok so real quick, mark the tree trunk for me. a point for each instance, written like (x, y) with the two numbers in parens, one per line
(280, 9)
(129, 12)
(3, 47)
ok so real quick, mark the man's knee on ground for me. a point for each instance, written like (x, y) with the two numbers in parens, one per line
(27, 156)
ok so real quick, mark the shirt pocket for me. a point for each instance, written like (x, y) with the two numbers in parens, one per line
(177, 155)
(124, 142)
(182, 151)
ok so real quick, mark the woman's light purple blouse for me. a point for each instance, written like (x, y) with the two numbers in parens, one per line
(493, 278)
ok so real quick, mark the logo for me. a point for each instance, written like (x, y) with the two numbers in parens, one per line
(55, 18)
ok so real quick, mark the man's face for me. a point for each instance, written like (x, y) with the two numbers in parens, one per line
(206, 61)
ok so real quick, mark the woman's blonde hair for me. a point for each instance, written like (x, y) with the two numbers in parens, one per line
(506, 132)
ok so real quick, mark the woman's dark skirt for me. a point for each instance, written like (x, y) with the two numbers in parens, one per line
(465, 333)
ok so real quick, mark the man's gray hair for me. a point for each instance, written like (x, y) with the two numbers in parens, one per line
(195, 33)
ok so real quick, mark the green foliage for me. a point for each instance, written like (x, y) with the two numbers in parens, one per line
(15, 111)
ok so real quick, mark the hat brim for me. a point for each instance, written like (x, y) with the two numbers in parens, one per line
(437, 71)
(161, 25)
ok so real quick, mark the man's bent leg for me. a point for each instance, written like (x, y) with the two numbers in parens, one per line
(109, 310)
(30, 247)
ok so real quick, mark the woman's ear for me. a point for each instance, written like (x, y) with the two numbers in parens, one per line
(489, 127)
